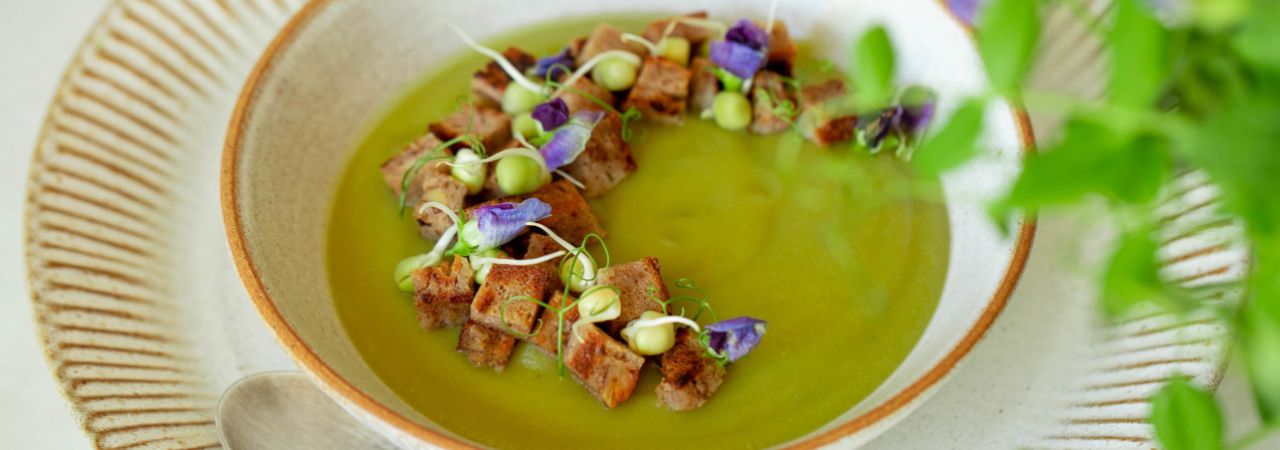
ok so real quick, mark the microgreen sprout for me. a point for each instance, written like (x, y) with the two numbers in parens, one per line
(580, 253)
(437, 252)
(431, 155)
(506, 326)
(598, 304)
(620, 55)
(502, 61)
(654, 333)
(700, 299)
(651, 46)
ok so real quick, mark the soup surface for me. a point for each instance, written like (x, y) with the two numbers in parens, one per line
(847, 273)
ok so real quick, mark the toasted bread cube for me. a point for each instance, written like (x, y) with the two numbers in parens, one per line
(768, 92)
(782, 50)
(695, 35)
(584, 95)
(519, 288)
(703, 85)
(442, 293)
(571, 216)
(638, 284)
(607, 159)
(441, 188)
(545, 338)
(689, 376)
(394, 168)
(606, 367)
(661, 91)
(488, 124)
(488, 83)
(819, 105)
(541, 245)
(607, 37)
(576, 46)
(485, 346)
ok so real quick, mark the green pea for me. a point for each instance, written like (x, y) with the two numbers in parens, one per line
(599, 304)
(469, 170)
(519, 175)
(675, 49)
(730, 81)
(573, 275)
(614, 74)
(704, 49)
(482, 270)
(650, 340)
(516, 99)
(732, 110)
(406, 267)
(526, 126)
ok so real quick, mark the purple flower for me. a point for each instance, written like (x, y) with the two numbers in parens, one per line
(734, 338)
(551, 114)
(571, 140)
(916, 118)
(877, 126)
(966, 10)
(494, 225)
(557, 64)
(747, 33)
(739, 59)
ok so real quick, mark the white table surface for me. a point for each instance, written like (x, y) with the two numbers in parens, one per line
(37, 40)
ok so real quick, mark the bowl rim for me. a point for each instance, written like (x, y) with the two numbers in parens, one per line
(311, 362)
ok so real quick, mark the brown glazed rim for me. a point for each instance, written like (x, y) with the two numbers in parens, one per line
(306, 357)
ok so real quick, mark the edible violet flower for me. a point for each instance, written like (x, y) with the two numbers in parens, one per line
(742, 52)
(571, 140)
(966, 10)
(558, 65)
(876, 127)
(747, 33)
(734, 338)
(551, 114)
(916, 118)
(494, 225)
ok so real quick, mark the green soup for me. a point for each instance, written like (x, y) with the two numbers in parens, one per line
(846, 273)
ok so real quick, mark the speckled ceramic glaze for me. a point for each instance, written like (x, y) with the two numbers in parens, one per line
(145, 323)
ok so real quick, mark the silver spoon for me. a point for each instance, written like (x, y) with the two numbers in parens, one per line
(285, 410)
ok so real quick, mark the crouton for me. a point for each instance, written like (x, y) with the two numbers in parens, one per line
(488, 124)
(584, 95)
(571, 216)
(541, 245)
(485, 346)
(607, 37)
(703, 85)
(782, 50)
(545, 338)
(575, 48)
(607, 159)
(512, 286)
(394, 168)
(606, 367)
(638, 283)
(441, 188)
(442, 293)
(695, 35)
(488, 83)
(689, 376)
(661, 90)
(768, 94)
(825, 124)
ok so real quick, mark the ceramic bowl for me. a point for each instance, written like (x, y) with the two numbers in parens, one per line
(337, 65)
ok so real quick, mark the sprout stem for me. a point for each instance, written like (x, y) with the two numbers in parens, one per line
(773, 13)
(570, 179)
(519, 262)
(439, 206)
(628, 37)
(588, 268)
(645, 323)
(591, 63)
(507, 67)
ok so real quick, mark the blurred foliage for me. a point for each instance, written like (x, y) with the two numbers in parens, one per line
(1201, 90)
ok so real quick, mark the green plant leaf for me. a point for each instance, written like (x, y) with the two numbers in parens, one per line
(954, 144)
(1007, 35)
(873, 68)
(1237, 148)
(1259, 40)
(1139, 56)
(1133, 274)
(1260, 328)
(1186, 418)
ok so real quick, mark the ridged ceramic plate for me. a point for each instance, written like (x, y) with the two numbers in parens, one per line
(145, 323)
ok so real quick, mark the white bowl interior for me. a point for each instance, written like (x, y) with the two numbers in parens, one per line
(342, 66)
